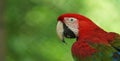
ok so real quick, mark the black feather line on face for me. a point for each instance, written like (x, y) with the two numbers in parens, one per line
(68, 33)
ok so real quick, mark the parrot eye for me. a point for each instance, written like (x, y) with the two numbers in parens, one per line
(72, 19)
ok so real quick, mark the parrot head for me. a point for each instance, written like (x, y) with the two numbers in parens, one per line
(89, 36)
(69, 25)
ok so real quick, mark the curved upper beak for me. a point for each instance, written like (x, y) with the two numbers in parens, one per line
(60, 31)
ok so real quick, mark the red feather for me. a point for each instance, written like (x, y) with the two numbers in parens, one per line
(89, 32)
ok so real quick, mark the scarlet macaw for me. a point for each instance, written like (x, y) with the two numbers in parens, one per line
(92, 43)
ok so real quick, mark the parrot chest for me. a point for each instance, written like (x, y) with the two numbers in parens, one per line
(82, 49)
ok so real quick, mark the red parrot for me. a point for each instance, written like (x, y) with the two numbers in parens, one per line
(92, 43)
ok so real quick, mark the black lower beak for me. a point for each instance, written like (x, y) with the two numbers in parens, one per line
(68, 33)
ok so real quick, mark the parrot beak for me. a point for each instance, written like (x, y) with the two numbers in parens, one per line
(64, 31)
(60, 31)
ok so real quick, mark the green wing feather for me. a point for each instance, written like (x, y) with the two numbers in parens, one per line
(116, 42)
(105, 52)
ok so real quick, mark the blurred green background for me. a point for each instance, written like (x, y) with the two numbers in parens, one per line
(31, 26)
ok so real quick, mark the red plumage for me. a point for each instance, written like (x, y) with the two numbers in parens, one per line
(89, 34)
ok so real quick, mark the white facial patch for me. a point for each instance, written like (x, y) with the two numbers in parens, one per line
(72, 23)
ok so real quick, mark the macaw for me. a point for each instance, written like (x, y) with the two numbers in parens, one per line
(92, 42)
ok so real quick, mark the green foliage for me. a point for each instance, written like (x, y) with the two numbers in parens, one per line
(31, 26)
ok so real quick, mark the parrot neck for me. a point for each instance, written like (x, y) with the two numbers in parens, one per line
(88, 28)
(89, 35)
(84, 48)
